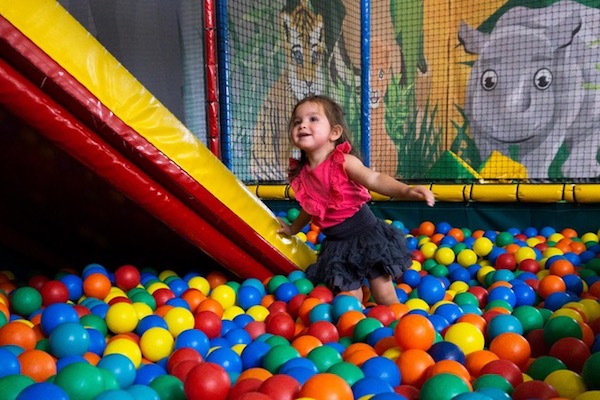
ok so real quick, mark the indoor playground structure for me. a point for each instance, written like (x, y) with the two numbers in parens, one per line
(140, 259)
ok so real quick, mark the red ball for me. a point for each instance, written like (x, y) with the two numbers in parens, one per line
(37, 281)
(255, 396)
(281, 324)
(182, 369)
(480, 293)
(408, 391)
(506, 261)
(244, 386)
(127, 277)
(54, 292)
(293, 306)
(534, 390)
(162, 295)
(280, 387)
(529, 265)
(207, 381)
(417, 255)
(325, 331)
(182, 354)
(209, 323)
(277, 306)
(539, 348)
(322, 293)
(382, 313)
(572, 351)
(255, 328)
(505, 368)
(119, 299)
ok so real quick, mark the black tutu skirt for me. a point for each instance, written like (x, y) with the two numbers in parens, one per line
(362, 247)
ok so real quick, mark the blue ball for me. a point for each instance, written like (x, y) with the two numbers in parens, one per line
(503, 323)
(238, 336)
(43, 390)
(547, 231)
(443, 350)
(412, 243)
(294, 275)
(286, 291)
(143, 392)
(378, 334)
(178, 302)
(178, 286)
(530, 232)
(431, 289)
(439, 322)
(460, 274)
(248, 296)
(556, 300)
(194, 339)
(412, 278)
(121, 367)
(450, 312)
(57, 314)
(253, 354)
(114, 394)
(321, 312)
(443, 227)
(503, 293)
(63, 362)
(242, 320)
(382, 368)
(300, 374)
(298, 362)
(74, 285)
(146, 373)
(226, 358)
(150, 321)
(9, 363)
(524, 294)
(573, 283)
(369, 385)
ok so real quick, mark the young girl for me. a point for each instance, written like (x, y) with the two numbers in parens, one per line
(332, 186)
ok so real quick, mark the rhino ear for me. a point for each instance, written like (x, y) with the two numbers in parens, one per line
(471, 39)
(562, 35)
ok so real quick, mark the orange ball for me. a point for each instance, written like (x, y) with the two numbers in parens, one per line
(304, 344)
(37, 364)
(359, 357)
(427, 228)
(578, 247)
(193, 297)
(569, 233)
(216, 278)
(551, 284)
(92, 358)
(19, 334)
(414, 331)
(513, 347)
(562, 267)
(312, 237)
(326, 386)
(457, 234)
(477, 359)
(96, 285)
(354, 347)
(211, 305)
(450, 367)
(347, 321)
(413, 365)
(255, 373)
(305, 307)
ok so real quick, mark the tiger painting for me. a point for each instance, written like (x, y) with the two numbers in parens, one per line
(303, 40)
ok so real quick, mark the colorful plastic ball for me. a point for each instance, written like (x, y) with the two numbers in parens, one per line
(281, 324)
(9, 363)
(25, 300)
(325, 331)
(127, 277)
(43, 390)
(54, 291)
(414, 331)
(511, 346)
(567, 383)
(226, 358)
(96, 285)
(149, 321)
(493, 381)
(37, 364)
(344, 303)
(207, 381)
(483, 246)
(194, 339)
(209, 323)
(121, 318)
(326, 386)
(542, 366)
(56, 314)
(503, 323)
(121, 367)
(286, 291)
(364, 328)
(146, 373)
(320, 312)
(280, 386)
(156, 343)
(431, 289)
(449, 311)
(413, 365)
(369, 386)
(69, 339)
(12, 385)
(248, 296)
(80, 381)
(382, 368)
(444, 386)
(347, 371)
(127, 347)
(534, 389)
(444, 350)
(466, 336)
(324, 357)
(560, 327)
(18, 333)
(411, 277)
(591, 372)
(179, 319)
(170, 387)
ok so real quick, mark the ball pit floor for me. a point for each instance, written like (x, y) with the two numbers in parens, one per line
(481, 315)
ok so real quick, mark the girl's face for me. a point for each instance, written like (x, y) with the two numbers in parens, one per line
(311, 130)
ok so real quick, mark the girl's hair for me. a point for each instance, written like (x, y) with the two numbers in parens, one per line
(334, 114)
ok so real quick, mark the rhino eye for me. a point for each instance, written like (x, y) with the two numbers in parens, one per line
(489, 80)
(543, 79)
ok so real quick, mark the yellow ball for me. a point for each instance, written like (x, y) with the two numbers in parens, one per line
(392, 353)
(589, 395)
(154, 286)
(555, 237)
(567, 312)
(483, 246)
(593, 309)
(179, 319)
(568, 384)
(533, 241)
(258, 313)
(428, 249)
(552, 251)
(417, 304)
(156, 343)
(301, 236)
(126, 347)
(230, 313)
(466, 336)
(200, 283)
(525, 253)
(238, 348)
(225, 295)
(416, 265)
(459, 286)
(165, 274)
(589, 237)
(467, 257)
(483, 271)
(142, 309)
(444, 256)
(121, 318)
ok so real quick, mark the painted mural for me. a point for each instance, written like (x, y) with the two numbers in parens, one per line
(459, 91)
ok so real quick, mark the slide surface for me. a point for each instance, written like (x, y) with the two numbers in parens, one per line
(89, 105)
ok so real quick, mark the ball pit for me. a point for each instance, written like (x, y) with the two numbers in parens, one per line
(484, 314)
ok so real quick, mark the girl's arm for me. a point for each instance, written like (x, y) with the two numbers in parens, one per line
(383, 183)
(291, 229)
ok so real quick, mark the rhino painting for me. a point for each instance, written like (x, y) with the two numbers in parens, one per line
(536, 86)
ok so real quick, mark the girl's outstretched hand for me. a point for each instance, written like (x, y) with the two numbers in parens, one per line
(284, 227)
(426, 195)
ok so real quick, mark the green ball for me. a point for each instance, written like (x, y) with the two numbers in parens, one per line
(561, 327)
(292, 214)
(276, 340)
(530, 318)
(144, 297)
(439, 270)
(542, 366)
(493, 381)
(277, 356)
(80, 380)
(465, 298)
(12, 385)
(304, 285)
(275, 282)
(94, 321)
(25, 300)
(364, 328)
(347, 371)
(168, 387)
(444, 386)
(591, 372)
(504, 239)
(324, 357)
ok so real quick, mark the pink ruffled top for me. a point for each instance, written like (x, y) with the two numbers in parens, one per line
(326, 192)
